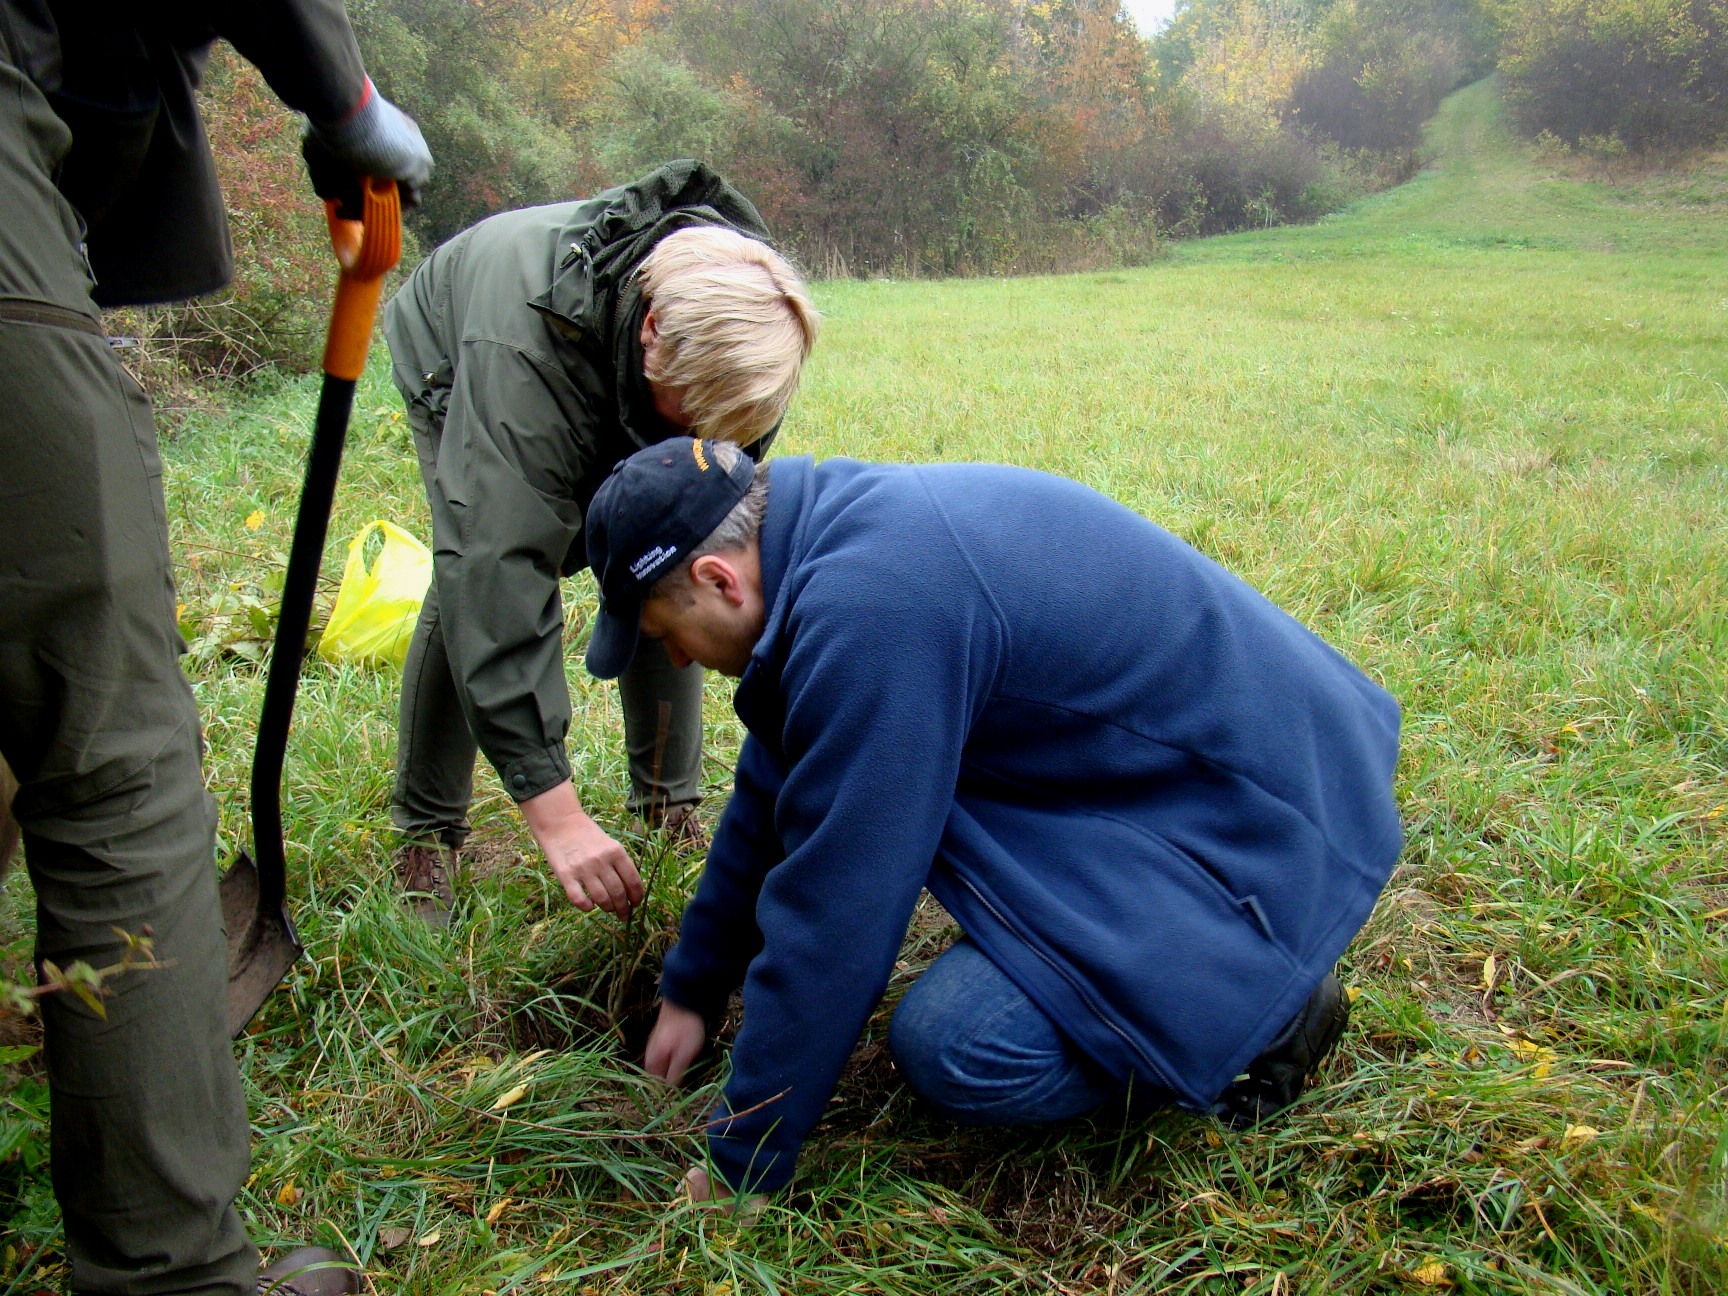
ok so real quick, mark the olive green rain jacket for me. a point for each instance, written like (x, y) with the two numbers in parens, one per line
(123, 77)
(517, 347)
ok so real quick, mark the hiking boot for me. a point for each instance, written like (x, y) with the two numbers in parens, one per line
(680, 824)
(425, 873)
(308, 1271)
(1275, 1079)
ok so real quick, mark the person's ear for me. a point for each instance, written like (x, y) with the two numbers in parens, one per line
(650, 330)
(722, 576)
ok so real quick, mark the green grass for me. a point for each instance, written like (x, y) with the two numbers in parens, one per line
(1475, 432)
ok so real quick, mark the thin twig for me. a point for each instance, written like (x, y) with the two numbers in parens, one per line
(635, 936)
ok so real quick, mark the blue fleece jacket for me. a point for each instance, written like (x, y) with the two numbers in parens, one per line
(1157, 802)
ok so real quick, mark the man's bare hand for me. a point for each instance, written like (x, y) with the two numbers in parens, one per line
(593, 869)
(674, 1043)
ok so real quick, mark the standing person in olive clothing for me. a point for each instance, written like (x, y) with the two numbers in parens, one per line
(111, 198)
(534, 351)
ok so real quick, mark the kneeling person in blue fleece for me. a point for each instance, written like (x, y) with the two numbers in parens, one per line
(1157, 806)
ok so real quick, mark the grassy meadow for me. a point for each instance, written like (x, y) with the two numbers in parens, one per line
(1473, 430)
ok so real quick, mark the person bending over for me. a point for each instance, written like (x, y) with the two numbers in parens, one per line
(534, 351)
(1157, 806)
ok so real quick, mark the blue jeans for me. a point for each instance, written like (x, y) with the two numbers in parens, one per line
(972, 1045)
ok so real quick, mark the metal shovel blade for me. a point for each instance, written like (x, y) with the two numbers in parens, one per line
(262, 945)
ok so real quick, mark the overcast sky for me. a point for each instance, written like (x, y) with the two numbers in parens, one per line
(1150, 15)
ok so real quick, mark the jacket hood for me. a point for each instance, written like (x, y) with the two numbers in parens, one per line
(594, 296)
(584, 292)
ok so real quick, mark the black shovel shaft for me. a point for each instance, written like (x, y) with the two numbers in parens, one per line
(305, 557)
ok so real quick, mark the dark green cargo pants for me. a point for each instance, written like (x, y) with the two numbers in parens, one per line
(148, 1123)
(435, 751)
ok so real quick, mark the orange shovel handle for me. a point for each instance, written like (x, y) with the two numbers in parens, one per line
(366, 250)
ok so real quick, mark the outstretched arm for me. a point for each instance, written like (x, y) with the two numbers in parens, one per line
(504, 518)
(881, 685)
(719, 935)
(306, 51)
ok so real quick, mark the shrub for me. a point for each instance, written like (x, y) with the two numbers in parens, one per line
(1381, 67)
(1213, 170)
(1652, 74)
(656, 108)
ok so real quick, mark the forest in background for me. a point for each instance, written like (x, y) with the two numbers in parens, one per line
(931, 137)
(913, 138)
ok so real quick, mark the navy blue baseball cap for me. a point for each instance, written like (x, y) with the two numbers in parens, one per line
(655, 508)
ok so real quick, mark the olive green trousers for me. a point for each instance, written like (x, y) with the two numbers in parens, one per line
(148, 1127)
(435, 751)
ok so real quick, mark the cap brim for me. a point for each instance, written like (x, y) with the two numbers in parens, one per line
(613, 643)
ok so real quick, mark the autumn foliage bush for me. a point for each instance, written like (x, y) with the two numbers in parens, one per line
(1379, 69)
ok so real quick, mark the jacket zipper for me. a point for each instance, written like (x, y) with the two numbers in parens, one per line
(1151, 1065)
(34, 312)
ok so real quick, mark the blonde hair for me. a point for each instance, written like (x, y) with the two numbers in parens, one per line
(735, 326)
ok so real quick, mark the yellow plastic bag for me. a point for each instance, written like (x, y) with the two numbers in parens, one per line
(376, 607)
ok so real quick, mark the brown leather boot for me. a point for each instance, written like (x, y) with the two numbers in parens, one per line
(308, 1271)
(681, 825)
(425, 873)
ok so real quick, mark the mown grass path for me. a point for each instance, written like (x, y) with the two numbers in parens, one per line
(1475, 432)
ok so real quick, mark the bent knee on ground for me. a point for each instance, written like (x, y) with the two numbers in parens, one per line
(979, 1051)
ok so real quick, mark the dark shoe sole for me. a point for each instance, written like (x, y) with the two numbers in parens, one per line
(1276, 1078)
(428, 908)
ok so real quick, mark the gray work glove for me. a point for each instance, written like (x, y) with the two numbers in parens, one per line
(377, 139)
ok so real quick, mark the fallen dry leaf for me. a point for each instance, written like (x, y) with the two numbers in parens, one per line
(498, 1208)
(1579, 1134)
(1529, 1051)
(1432, 1273)
(288, 1194)
(393, 1237)
(510, 1099)
(431, 1239)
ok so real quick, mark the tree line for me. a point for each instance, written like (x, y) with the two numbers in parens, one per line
(916, 137)
(940, 137)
